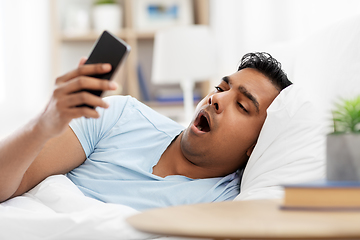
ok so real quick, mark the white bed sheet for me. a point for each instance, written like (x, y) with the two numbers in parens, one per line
(57, 209)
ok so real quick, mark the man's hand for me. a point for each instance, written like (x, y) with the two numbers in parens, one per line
(48, 146)
(67, 95)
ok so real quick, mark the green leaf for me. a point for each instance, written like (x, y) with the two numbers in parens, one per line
(346, 116)
(99, 2)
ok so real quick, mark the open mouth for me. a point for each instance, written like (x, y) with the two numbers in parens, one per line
(202, 122)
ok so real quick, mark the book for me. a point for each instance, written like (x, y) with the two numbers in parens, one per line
(143, 84)
(322, 195)
(173, 95)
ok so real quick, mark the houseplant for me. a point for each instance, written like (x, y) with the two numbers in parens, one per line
(343, 145)
(107, 15)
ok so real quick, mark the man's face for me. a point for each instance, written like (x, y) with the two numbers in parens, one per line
(228, 121)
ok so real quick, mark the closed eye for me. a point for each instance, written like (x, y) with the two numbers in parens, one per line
(242, 107)
(219, 89)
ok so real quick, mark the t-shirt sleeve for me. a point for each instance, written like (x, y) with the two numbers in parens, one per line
(90, 131)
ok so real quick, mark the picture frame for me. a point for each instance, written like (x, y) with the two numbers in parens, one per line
(150, 15)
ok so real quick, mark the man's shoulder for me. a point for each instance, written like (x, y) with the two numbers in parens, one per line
(138, 111)
(118, 99)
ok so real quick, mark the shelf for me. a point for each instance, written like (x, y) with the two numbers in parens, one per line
(154, 104)
(92, 36)
(67, 49)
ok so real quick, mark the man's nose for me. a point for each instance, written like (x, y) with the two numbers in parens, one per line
(213, 103)
(218, 101)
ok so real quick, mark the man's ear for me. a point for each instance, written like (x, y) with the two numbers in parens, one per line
(250, 150)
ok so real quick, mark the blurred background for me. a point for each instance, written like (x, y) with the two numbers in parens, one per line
(43, 39)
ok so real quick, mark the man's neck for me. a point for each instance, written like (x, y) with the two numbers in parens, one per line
(174, 162)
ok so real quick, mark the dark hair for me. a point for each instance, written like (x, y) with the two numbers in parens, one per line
(267, 65)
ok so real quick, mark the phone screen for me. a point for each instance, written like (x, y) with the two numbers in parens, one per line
(107, 49)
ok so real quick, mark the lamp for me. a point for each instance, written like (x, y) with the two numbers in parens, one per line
(184, 55)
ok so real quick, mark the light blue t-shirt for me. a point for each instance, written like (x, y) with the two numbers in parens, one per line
(123, 145)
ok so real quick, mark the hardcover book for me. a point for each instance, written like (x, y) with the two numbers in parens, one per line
(322, 195)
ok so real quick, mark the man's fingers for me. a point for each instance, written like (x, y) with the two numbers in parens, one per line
(80, 98)
(82, 112)
(87, 98)
(85, 70)
(90, 83)
(82, 61)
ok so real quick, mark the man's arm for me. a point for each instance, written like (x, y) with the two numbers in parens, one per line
(59, 155)
(46, 145)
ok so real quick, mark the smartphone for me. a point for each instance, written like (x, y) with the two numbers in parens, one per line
(107, 49)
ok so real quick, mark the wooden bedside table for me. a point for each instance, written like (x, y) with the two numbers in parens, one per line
(257, 219)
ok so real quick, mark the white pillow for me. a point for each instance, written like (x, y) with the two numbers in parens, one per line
(290, 148)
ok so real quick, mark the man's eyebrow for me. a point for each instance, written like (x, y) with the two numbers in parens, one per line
(245, 92)
(226, 79)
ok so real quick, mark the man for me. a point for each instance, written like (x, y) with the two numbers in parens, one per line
(134, 156)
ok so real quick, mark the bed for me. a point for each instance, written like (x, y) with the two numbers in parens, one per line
(290, 149)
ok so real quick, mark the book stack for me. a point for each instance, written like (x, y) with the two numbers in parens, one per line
(324, 195)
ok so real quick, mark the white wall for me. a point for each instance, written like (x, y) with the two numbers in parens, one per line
(24, 61)
(240, 26)
(243, 26)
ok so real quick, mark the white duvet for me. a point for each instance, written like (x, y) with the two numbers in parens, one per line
(57, 209)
